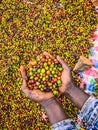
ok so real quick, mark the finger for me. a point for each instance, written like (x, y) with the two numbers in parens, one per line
(23, 72)
(25, 89)
(30, 94)
(30, 64)
(63, 63)
(62, 89)
(48, 54)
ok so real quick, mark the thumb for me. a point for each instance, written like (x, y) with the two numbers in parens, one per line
(24, 84)
(63, 63)
(23, 72)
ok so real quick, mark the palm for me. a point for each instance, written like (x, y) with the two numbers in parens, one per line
(38, 96)
(65, 77)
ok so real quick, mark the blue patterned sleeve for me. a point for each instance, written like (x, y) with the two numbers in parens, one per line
(88, 117)
(67, 124)
(89, 114)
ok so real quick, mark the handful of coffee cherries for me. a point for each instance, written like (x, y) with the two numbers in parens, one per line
(45, 74)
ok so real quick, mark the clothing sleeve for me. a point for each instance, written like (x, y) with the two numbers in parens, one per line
(89, 114)
(88, 117)
(67, 124)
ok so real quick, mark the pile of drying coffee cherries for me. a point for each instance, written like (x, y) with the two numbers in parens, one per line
(27, 30)
(45, 74)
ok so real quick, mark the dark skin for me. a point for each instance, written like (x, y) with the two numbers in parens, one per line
(50, 103)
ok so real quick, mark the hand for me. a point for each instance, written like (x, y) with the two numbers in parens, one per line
(65, 77)
(35, 95)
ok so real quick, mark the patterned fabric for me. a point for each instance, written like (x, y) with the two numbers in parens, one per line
(88, 77)
(88, 117)
(65, 125)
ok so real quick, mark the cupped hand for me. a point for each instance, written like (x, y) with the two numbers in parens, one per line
(65, 77)
(38, 96)
(35, 95)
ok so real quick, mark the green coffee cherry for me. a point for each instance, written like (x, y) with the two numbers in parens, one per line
(39, 70)
(46, 68)
(45, 64)
(60, 68)
(38, 83)
(42, 70)
(52, 65)
(59, 82)
(41, 89)
(55, 92)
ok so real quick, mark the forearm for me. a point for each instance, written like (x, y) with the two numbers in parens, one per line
(76, 95)
(54, 110)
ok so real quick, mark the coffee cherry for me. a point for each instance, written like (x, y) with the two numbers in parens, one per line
(38, 75)
(54, 86)
(49, 84)
(48, 72)
(49, 63)
(41, 74)
(60, 69)
(30, 73)
(39, 80)
(38, 66)
(52, 65)
(43, 79)
(43, 60)
(36, 78)
(59, 82)
(32, 77)
(56, 61)
(45, 64)
(34, 62)
(58, 77)
(42, 70)
(40, 86)
(53, 72)
(46, 68)
(50, 69)
(42, 89)
(31, 69)
(50, 78)
(38, 83)
(55, 76)
(55, 92)
(54, 69)
(59, 73)
(46, 77)
(35, 70)
(50, 59)
(54, 79)
(45, 82)
(39, 70)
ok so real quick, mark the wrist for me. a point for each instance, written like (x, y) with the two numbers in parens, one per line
(46, 103)
(54, 110)
(76, 95)
(70, 88)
